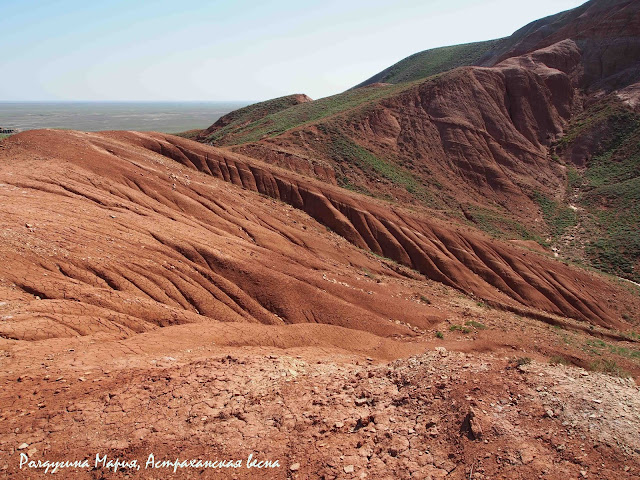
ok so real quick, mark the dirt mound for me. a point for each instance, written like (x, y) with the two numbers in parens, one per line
(101, 234)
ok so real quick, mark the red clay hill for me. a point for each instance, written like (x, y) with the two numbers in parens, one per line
(370, 285)
(158, 293)
(160, 230)
(482, 144)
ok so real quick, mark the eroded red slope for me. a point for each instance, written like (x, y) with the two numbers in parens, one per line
(477, 136)
(123, 232)
(606, 32)
(459, 258)
(474, 138)
(100, 234)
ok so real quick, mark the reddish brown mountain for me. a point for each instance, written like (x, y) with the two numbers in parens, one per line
(477, 144)
(253, 297)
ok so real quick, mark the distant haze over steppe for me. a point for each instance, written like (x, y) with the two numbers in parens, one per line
(169, 117)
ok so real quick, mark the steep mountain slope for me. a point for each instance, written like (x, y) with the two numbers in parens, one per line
(605, 31)
(473, 137)
(602, 149)
(475, 143)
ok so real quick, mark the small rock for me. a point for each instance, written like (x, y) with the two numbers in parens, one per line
(445, 465)
(349, 468)
(549, 413)
(474, 423)
(476, 428)
(294, 467)
(361, 401)
(22, 446)
(527, 455)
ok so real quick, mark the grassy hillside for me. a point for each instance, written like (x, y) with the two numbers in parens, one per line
(190, 134)
(271, 118)
(301, 114)
(607, 189)
(237, 119)
(431, 62)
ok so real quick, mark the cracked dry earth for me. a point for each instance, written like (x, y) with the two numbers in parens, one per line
(441, 414)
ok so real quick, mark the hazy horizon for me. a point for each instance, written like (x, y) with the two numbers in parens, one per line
(129, 101)
(122, 51)
(159, 116)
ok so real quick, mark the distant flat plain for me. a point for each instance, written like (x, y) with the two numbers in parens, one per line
(167, 117)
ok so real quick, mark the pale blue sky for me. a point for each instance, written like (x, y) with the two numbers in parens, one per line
(230, 50)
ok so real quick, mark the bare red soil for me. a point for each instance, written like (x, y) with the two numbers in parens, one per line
(151, 239)
(161, 296)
